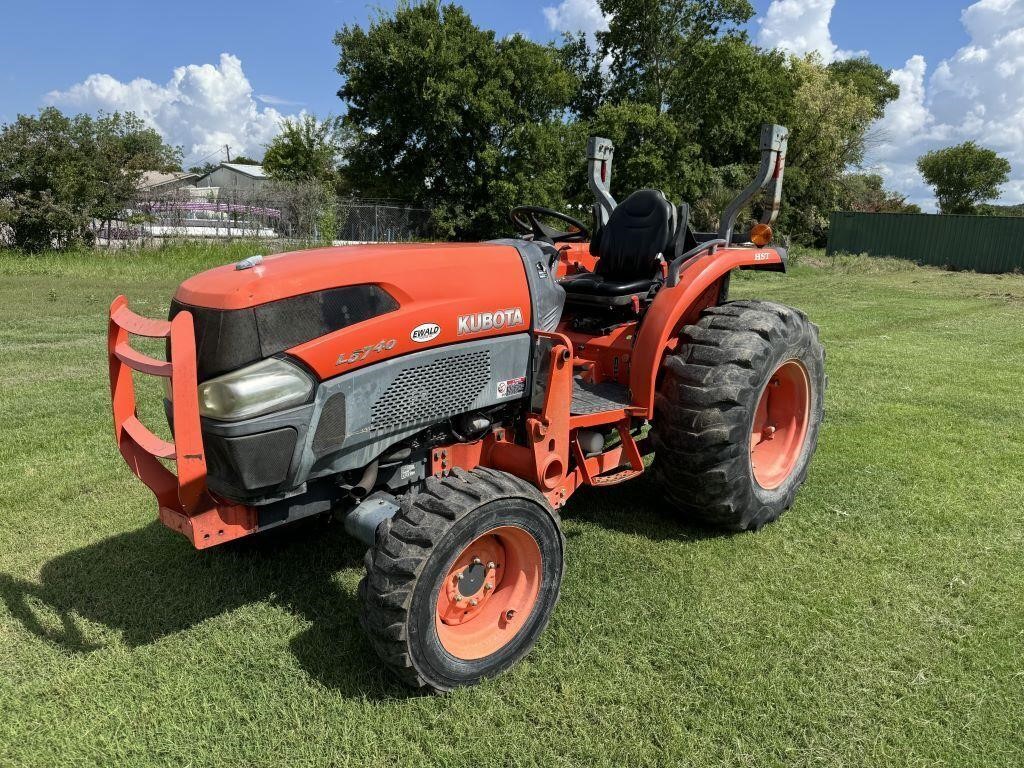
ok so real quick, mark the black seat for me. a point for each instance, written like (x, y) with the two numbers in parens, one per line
(642, 228)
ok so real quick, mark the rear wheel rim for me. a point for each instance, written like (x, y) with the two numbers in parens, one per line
(779, 429)
(489, 593)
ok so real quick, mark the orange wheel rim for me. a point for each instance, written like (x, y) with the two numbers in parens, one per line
(780, 424)
(488, 593)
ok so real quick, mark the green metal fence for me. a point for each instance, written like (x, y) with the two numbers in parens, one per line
(981, 243)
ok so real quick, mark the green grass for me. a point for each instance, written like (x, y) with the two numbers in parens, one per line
(878, 623)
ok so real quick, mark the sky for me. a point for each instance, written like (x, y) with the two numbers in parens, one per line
(210, 74)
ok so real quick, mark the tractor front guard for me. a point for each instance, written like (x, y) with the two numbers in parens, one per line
(185, 503)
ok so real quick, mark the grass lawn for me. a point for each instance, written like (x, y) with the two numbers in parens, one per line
(880, 622)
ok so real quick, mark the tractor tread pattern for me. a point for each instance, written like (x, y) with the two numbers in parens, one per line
(702, 408)
(403, 546)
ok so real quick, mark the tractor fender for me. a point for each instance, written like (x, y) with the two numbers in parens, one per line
(681, 304)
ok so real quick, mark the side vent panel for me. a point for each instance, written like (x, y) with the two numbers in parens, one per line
(330, 431)
(426, 393)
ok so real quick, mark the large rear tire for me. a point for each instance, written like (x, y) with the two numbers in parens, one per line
(738, 412)
(463, 580)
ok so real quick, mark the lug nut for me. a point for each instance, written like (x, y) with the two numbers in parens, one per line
(460, 576)
(510, 614)
(473, 602)
(476, 561)
(490, 565)
(488, 587)
(458, 598)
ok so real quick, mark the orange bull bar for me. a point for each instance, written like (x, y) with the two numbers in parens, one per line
(185, 503)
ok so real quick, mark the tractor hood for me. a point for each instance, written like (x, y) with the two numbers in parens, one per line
(403, 267)
(338, 309)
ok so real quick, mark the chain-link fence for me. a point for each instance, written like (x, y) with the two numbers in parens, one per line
(299, 212)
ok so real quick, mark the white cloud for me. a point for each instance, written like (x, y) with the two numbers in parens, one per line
(576, 16)
(800, 27)
(277, 101)
(976, 94)
(201, 108)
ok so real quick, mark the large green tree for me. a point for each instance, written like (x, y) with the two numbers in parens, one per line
(306, 149)
(647, 41)
(964, 176)
(828, 122)
(447, 116)
(868, 79)
(58, 173)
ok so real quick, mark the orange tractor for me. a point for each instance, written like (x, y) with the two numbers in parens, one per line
(449, 399)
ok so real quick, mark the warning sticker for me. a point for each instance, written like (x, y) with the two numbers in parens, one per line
(512, 387)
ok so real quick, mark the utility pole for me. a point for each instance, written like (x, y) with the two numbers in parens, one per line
(227, 150)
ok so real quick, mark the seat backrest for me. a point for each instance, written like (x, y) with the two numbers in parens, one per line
(639, 229)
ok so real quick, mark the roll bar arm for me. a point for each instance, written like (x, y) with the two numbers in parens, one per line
(774, 140)
(599, 176)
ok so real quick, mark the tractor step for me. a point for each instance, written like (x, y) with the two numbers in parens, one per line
(597, 398)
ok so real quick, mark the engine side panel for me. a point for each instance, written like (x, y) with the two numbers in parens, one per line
(358, 415)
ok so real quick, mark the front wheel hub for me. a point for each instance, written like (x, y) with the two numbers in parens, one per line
(489, 590)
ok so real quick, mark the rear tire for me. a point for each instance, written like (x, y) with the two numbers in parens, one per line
(421, 577)
(738, 412)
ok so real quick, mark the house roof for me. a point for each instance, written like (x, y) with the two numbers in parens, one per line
(153, 179)
(255, 171)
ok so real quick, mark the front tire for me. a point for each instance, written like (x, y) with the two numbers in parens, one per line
(463, 580)
(738, 412)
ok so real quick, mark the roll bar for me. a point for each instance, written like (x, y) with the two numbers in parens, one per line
(599, 176)
(774, 140)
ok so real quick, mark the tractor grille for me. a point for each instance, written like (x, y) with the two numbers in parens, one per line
(436, 390)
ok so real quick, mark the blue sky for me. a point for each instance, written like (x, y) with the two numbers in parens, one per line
(282, 58)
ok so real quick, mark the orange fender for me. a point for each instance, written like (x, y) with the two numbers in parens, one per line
(678, 305)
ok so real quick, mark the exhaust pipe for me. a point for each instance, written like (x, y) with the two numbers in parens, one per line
(362, 489)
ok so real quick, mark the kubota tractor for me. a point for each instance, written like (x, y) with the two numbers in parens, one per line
(449, 399)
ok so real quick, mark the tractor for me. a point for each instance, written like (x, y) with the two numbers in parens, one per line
(448, 399)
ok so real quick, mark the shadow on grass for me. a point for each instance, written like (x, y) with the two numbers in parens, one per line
(148, 584)
(638, 508)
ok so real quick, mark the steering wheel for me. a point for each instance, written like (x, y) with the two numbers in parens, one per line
(526, 219)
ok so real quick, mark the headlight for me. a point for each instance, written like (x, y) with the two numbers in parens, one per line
(269, 385)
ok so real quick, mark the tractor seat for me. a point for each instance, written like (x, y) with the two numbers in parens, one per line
(640, 232)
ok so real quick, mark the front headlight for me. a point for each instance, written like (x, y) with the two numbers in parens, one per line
(269, 385)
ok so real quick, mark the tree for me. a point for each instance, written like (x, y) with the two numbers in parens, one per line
(58, 173)
(652, 150)
(450, 118)
(306, 149)
(828, 122)
(866, 193)
(964, 176)
(204, 169)
(123, 148)
(1014, 211)
(243, 160)
(868, 79)
(647, 41)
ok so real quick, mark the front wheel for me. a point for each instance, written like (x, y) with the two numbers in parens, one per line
(738, 412)
(463, 580)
